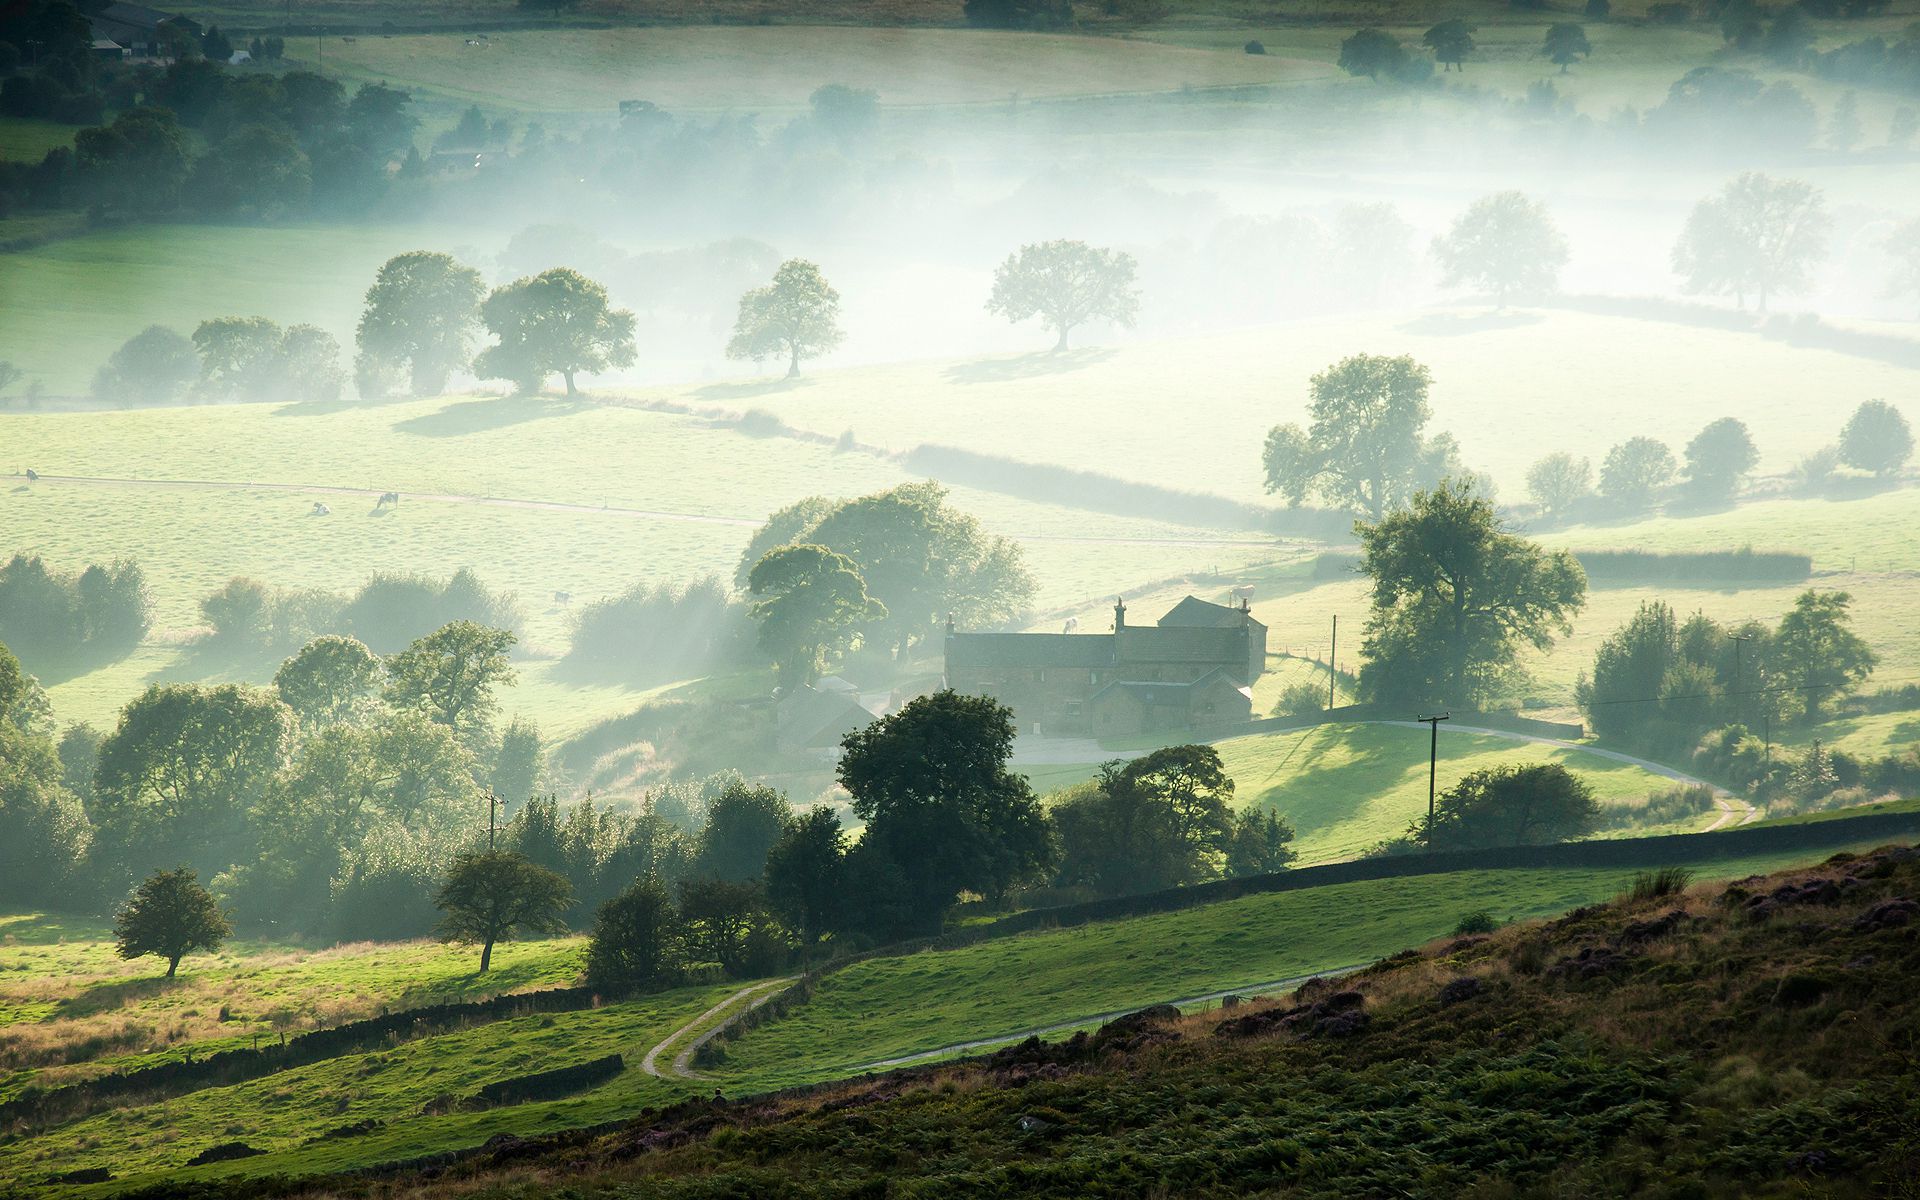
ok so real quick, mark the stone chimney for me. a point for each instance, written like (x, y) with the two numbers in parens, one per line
(1119, 614)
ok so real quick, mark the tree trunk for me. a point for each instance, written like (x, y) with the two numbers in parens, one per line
(793, 363)
(568, 376)
(486, 956)
(173, 964)
(1062, 343)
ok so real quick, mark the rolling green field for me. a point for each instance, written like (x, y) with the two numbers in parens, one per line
(890, 1007)
(1346, 788)
(70, 1007)
(863, 1013)
(26, 140)
(537, 495)
(776, 69)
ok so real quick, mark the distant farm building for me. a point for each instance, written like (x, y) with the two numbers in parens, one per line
(1193, 670)
(145, 32)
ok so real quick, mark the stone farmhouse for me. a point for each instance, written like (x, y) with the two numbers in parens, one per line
(1191, 671)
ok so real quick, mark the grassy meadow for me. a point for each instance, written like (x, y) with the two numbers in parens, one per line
(610, 499)
(776, 69)
(863, 1013)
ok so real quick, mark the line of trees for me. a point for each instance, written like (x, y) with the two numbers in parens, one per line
(1636, 473)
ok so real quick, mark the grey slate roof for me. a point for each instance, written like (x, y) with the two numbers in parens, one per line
(1183, 643)
(1195, 612)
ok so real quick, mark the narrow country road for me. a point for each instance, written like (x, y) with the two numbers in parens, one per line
(1278, 985)
(599, 510)
(727, 1012)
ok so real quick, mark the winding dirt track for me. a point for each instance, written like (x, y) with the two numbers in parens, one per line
(598, 510)
(728, 1011)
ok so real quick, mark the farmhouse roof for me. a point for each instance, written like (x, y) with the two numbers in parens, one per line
(137, 15)
(1184, 643)
(1194, 611)
(1030, 650)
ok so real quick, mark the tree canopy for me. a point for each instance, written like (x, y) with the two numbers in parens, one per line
(1530, 805)
(422, 314)
(496, 895)
(1635, 470)
(1760, 236)
(1816, 653)
(810, 602)
(1371, 52)
(1876, 438)
(797, 315)
(1719, 459)
(169, 915)
(1506, 244)
(1451, 42)
(450, 675)
(1454, 598)
(1362, 449)
(1565, 44)
(944, 812)
(556, 321)
(1559, 481)
(1067, 283)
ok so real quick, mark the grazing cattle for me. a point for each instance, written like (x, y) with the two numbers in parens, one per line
(32, 475)
(563, 597)
(387, 498)
(321, 510)
(1072, 624)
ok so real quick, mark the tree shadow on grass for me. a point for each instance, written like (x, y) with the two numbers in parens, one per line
(205, 660)
(1907, 731)
(1461, 324)
(513, 978)
(114, 994)
(480, 416)
(323, 408)
(751, 388)
(1316, 798)
(1027, 366)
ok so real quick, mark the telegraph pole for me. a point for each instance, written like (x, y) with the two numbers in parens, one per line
(1332, 650)
(1433, 766)
(493, 808)
(1740, 641)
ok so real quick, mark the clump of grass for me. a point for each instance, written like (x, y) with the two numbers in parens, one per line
(1652, 885)
(1476, 922)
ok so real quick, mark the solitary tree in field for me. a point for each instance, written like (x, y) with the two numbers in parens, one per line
(556, 321)
(1067, 283)
(1451, 42)
(1363, 448)
(169, 915)
(497, 895)
(450, 675)
(1455, 596)
(1566, 43)
(797, 315)
(151, 367)
(1636, 469)
(422, 314)
(9, 374)
(1719, 457)
(1371, 52)
(1559, 481)
(810, 602)
(1505, 243)
(1876, 438)
(1759, 236)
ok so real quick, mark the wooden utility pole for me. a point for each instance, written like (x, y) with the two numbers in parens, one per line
(493, 808)
(1433, 766)
(1333, 650)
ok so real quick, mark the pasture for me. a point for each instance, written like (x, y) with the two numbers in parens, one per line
(776, 69)
(1346, 788)
(393, 1098)
(536, 495)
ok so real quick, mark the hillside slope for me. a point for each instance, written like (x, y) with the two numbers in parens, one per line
(1752, 1039)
